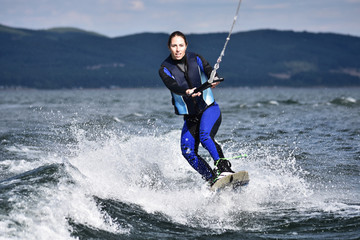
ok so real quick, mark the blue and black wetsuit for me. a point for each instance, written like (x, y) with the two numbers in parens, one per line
(202, 116)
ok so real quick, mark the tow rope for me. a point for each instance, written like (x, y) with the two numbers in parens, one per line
(217, 64)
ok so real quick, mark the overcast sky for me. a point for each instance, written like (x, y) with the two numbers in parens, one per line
(123, 17)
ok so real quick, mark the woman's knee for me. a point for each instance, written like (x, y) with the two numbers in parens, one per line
(204, 137)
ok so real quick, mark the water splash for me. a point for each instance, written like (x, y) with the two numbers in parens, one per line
(149, 171)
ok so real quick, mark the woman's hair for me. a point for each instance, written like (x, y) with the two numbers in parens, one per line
(179, 34)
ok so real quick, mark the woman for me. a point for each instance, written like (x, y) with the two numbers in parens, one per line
(182, 72)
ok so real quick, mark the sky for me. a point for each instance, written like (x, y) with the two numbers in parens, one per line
(115, 18)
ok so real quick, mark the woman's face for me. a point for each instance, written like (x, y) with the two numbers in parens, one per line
(177, 48)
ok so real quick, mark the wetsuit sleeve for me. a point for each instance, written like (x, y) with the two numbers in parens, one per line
(170, 83)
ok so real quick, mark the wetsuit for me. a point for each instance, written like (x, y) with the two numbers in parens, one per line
(202, 116)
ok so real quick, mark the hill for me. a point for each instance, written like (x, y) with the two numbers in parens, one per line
(73, 58)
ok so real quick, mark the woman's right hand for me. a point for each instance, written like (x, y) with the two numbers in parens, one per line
(190, 92)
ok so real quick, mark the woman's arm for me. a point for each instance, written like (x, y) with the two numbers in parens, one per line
(170, 83)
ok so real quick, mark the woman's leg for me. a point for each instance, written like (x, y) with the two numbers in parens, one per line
(189, 147)
(209, 125)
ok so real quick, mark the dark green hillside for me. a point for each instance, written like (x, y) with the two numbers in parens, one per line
(298, 59)
(72, 58)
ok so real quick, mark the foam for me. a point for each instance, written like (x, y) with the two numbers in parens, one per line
(149, 171)
(41, 211)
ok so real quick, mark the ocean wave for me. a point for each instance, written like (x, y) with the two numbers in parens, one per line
(345, 101)
(110, 172)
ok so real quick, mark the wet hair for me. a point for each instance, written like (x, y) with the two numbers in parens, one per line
(179, 34)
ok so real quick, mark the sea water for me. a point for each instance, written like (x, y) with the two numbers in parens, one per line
(106, 164)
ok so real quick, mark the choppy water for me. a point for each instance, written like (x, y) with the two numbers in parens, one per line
(106, 164)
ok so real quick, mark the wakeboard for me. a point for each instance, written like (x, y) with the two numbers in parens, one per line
(232, 181)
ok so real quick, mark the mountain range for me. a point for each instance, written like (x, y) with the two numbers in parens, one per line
(61, 58)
